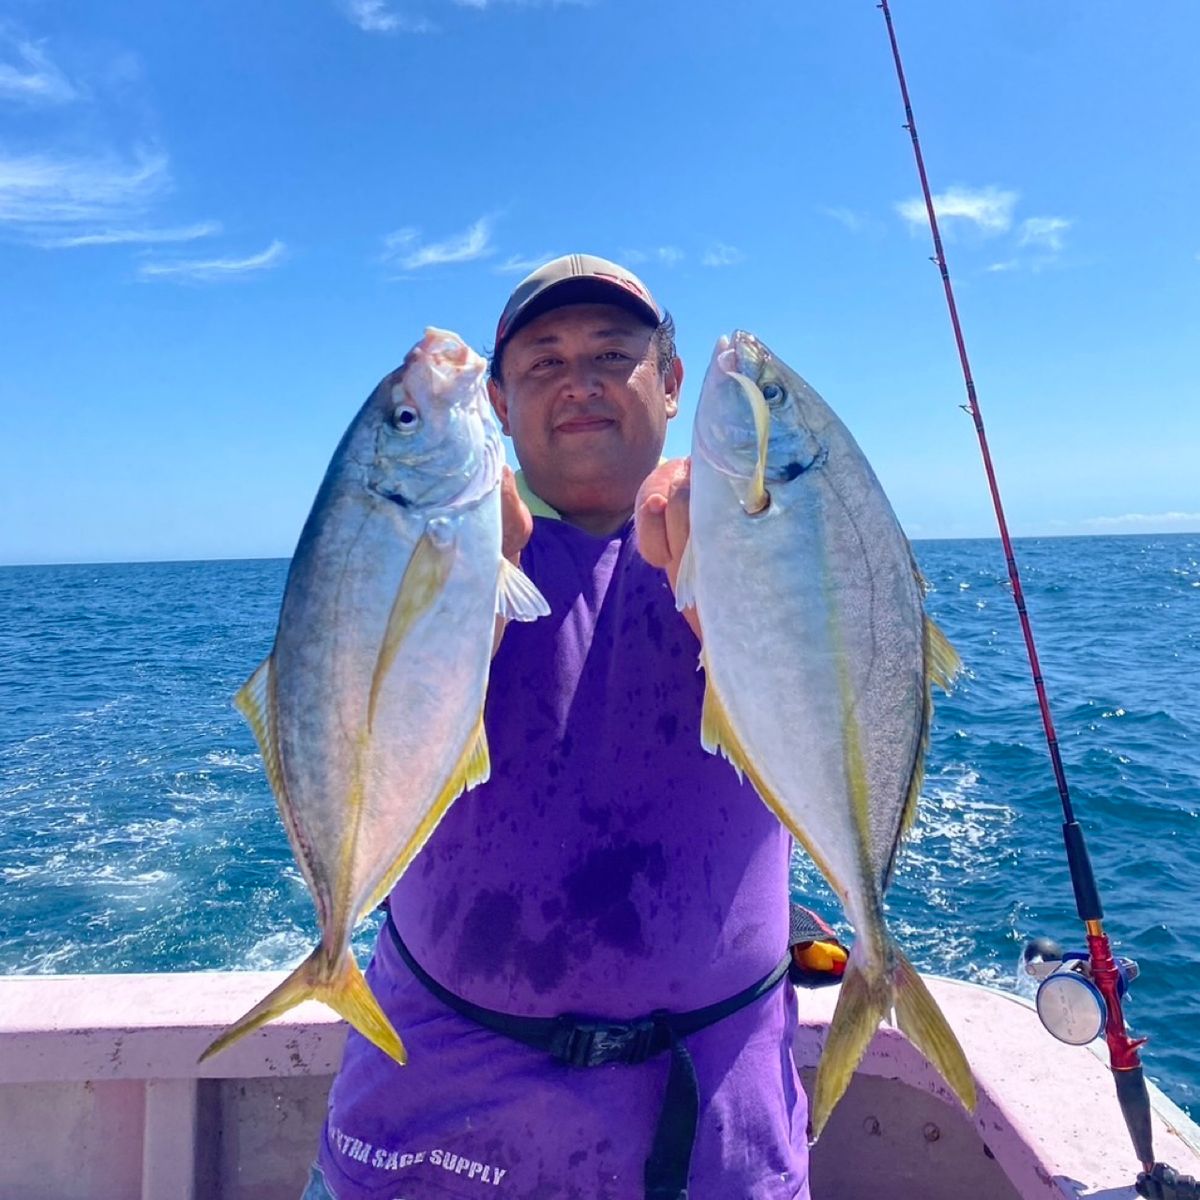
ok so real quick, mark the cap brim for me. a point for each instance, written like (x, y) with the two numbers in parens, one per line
(582, 289)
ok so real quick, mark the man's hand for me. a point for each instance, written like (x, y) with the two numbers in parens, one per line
(516, 520)
(663, 522)
(516, 528)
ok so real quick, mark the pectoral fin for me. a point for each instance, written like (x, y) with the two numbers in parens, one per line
(424, 581)
(685, 581)
(518, 598)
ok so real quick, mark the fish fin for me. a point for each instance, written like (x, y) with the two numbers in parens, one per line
(343, 988)
(925, 1025)
(253, 701)
(942, 663)
(758, 497)
(685, 581)
(866, 995)
(716, 733)
(473, 767)
(517, 597)
(424, 580)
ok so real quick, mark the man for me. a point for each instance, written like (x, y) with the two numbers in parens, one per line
(610, 867)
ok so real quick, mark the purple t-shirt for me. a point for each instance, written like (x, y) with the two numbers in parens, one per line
(609, 867)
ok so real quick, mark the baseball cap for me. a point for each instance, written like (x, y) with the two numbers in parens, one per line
(574, 279)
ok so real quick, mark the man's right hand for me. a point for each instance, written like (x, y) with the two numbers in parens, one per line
(516, 528)
(516, 519)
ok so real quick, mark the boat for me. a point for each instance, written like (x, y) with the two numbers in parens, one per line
(101, 1098)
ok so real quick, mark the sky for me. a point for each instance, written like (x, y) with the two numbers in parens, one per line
(221, 224)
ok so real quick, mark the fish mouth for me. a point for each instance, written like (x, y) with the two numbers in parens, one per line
(445, 357)
(742, 354)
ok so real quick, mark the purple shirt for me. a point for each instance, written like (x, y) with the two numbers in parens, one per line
(609, 867)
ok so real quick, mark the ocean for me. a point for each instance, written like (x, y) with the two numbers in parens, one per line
(138, 832)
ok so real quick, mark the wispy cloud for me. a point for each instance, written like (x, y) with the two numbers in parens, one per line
(404, 248)
(1008, 264)
(518, 264)
(133, 237)
(846, 217)
(377, 16)
(1165, 522)
(1046, 233)
(211, 270)
(989, 209)
(669, 256)
(41, 189)
(27, 76)
(721, 255)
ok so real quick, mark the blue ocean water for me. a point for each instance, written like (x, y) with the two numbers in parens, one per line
(137, 831)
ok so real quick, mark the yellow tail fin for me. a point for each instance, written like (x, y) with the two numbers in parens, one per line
(345, 991)
(923, 1023)
(863, 1001)
(866, 997)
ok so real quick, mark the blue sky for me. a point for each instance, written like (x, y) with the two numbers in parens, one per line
(220, 224)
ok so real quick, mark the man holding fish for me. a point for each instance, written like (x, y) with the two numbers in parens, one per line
(610, 867)
(584, 957)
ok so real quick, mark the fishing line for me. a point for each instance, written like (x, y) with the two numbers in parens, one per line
(1104, 972)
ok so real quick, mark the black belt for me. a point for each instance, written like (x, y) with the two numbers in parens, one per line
(589, 1042)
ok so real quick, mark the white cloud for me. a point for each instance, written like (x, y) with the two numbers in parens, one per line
(669, 256)
(40, 189)
(845, 216)
(1044, 233)
(133, 237)
(404, 249)
(1165, 522)
(990, 209)
(213, 269)
(32, 78)
(376, 16)
(1009, 264)
(516, 264)
(721, 255)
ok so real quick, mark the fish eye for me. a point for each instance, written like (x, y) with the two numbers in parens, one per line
(406, 418)
(772, 393)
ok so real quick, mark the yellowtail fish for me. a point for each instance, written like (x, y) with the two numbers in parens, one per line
(369, 709)
(818, 660)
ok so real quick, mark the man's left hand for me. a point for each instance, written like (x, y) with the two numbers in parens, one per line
(662, 521)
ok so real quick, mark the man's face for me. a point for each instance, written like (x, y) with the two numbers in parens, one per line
(586, 404)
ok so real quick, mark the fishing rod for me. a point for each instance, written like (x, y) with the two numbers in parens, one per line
(1080, 995)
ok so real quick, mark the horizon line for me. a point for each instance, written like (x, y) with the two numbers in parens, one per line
(993, 537)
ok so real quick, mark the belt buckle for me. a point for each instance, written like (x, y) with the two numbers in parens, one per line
(597, 1043)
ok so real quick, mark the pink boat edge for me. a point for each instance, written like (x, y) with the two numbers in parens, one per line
(101, 1098)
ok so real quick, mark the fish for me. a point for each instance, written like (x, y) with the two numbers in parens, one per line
(819, 661)
(368, 711)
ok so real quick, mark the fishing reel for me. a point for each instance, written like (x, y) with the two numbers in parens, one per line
(1070, 1005)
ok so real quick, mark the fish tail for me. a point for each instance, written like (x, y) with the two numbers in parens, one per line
(868, 993)
(343, 988)
(865, 996)
(925, 1025)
